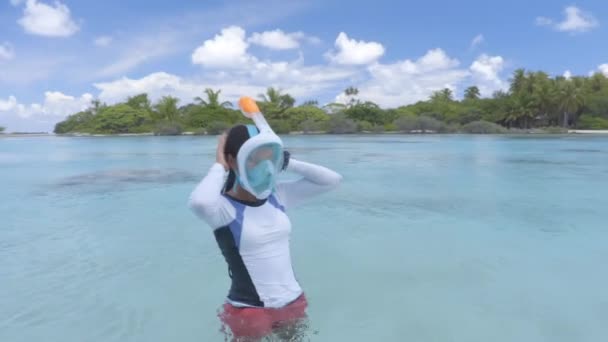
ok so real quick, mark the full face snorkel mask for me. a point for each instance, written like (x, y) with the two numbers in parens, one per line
(260, 158)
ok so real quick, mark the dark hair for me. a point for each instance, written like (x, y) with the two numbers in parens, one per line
(237, 135)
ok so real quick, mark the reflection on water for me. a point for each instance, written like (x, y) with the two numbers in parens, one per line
(540, 162)
(580, 150)
(134, 176)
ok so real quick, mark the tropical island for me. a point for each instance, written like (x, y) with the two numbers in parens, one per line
(534, 102)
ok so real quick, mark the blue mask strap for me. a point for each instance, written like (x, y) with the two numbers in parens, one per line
(252, 130)
(236, 182)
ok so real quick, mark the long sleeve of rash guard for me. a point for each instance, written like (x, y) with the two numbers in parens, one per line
(315, 180)
(206, 199)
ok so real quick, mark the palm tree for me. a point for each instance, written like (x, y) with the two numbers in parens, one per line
(213, 99)
(544, 97)
(351, 93)
(274, 96)
(274, 103)
(472, 93)
(518, 81)
(443, 95)
(312, 103)
(140, 101)
(166, 108)
(510, 117)
(598, 82)
(95, 106)
(570, 100)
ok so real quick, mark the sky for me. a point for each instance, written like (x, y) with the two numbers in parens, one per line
(56, 56)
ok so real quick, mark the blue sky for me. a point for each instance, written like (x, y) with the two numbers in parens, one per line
(56, 56)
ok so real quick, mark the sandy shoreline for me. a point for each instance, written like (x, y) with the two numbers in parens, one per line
(580, 131)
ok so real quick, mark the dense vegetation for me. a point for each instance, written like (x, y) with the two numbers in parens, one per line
(2, 129)
(533, 100)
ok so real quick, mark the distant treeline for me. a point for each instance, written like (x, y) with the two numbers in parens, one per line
(534, 100)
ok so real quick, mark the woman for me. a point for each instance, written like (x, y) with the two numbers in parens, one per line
(248, 215)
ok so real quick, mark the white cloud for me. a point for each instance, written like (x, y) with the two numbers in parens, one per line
(6, 52)
(46, 20)
(56, 105)
(485, 72)
(103, 41)
(155, 83)
(8, 104)
(409, 81)
(277, 39)
(17, 2)
(293, 77)
(160, 84)
(567, 74)
(477, 40)
(59, 104)
(604, 69)
(353, 52)
(227, 49)
(576, 20)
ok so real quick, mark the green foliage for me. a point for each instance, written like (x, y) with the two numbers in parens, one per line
(166, 109)
(120, 118)
(378, 129)
(444, 95)
(2, 129)
(407, 123)
(367, 111)
(196, 117)
(364, 126)
(597, 103)
(140, 101)
(274, 104)
(309, 126)
(76, 123)
(422, 124)
(390, 127)
(472, 93)
(217, 127)
(340, 124)
(483, 127)
(429, 124)
(297, 115)
(213, 99)
(280, 126)
(452, 128)
(313, 103)
(590, 122)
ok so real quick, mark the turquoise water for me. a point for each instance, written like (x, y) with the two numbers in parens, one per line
(429, 238)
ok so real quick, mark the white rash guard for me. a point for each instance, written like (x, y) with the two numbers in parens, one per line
(254, 237)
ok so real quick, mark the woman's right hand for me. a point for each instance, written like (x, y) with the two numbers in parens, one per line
(219, 154)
